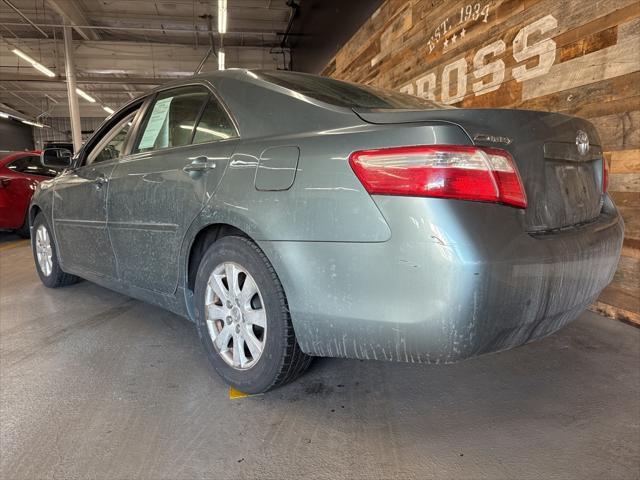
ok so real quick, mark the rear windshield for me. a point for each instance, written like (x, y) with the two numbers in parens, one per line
(345, 94)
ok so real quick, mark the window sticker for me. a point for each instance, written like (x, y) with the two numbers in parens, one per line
(157, 120)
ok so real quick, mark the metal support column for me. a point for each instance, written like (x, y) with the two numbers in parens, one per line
(74, 109)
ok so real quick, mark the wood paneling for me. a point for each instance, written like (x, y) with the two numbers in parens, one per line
(571, 56)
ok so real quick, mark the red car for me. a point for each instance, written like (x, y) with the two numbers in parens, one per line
(20, 172)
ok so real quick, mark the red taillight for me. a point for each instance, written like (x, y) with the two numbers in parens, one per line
(444, 171)
(605, 175)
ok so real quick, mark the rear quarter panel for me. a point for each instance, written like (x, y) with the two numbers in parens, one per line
(326, 202)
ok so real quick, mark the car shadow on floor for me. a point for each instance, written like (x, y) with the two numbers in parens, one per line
(6, 237)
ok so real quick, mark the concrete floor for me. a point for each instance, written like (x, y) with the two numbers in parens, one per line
(96, 385)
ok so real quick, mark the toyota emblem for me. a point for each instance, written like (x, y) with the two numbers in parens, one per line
(582, 142)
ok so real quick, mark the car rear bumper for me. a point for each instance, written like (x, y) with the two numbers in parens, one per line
(456, 280)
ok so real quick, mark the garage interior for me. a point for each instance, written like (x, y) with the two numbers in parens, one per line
(94, 384)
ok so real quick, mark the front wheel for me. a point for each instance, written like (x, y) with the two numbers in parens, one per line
(46, 257)
(243, 319)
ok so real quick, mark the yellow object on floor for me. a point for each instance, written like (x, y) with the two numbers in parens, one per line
(233, 394)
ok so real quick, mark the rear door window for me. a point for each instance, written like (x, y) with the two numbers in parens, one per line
(214, 124)
(171, 119)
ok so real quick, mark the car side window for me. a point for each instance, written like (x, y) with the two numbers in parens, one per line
(214, 124)
(170, 120)
(112, 144)
(31, 165)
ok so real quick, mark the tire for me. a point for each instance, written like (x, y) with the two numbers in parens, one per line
(24, 230)
(280, 360)
(50, 275)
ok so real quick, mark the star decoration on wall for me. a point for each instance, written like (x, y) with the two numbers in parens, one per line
(446, 42)
(454, 39)
(463, 32)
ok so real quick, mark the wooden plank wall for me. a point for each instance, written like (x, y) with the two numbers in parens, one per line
(580, 57)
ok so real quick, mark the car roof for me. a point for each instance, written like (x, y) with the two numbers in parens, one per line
(215, 78)
(235, 85)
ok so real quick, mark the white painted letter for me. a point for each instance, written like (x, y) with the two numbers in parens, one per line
(408, 89)
(495, 69)
(460, 66)
(430, 92)
(545, 49)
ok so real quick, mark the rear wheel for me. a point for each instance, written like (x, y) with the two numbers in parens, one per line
(45, 256)
(243, 318)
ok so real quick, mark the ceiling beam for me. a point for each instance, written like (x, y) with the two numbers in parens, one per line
(160, 35)
(60, 90)
(12, 111)
(25, 18)
(113, 59)
(18, 77)
(73, 14)
(178, 25)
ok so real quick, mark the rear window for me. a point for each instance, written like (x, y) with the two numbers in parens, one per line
(346, 94)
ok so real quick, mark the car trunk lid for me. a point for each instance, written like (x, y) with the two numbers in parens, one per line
(563, 186)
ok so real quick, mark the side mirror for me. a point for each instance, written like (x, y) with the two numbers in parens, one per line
(56, 157)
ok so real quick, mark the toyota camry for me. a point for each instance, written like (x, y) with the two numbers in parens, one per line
(291, 216)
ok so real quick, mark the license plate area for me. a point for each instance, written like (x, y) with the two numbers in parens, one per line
(572, 191)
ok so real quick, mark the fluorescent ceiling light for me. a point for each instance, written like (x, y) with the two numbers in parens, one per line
(28, 122)
(39, 125)
(215, 133)
(222, 16)
(220, 59)
(85, 95)
(34, 64)
(108, 110)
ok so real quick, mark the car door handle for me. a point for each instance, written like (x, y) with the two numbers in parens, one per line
(100, 181)
(200, 165)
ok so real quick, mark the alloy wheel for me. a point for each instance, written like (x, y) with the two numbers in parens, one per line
(44, 251)
(235, 315)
